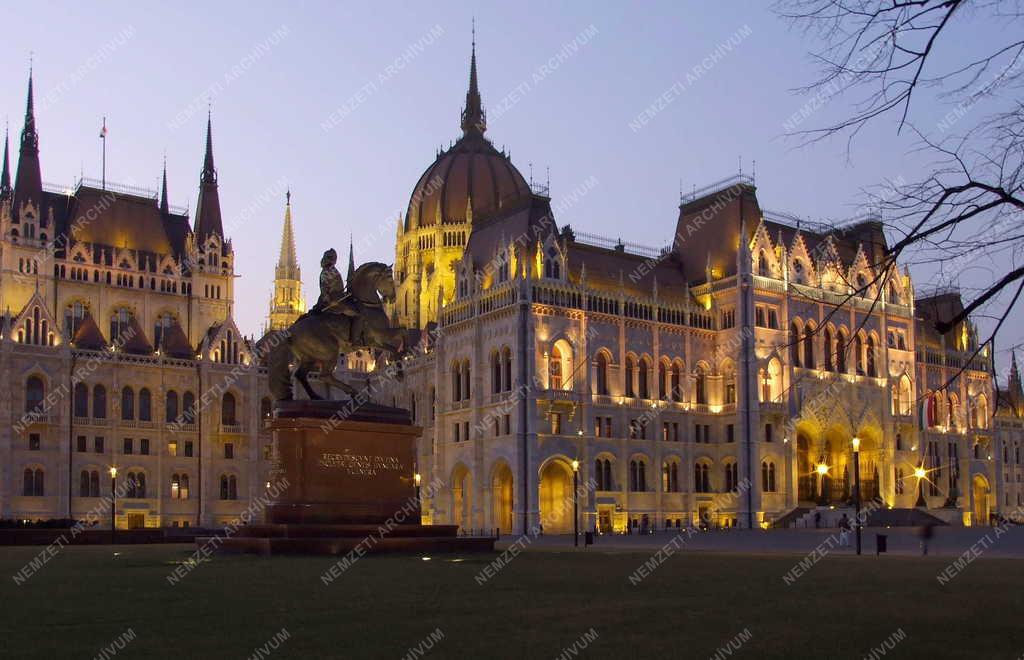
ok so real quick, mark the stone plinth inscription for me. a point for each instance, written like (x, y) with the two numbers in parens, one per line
(359, 465)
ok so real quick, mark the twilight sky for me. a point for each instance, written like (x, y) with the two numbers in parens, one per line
(348, 104)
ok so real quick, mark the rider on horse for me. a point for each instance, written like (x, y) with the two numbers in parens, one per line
(334, 297)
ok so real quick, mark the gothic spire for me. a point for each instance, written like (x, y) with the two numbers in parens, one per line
(208, 218)
(351, 261)
(28, 183)
(5, 174)
(164, 205)
(287, 262)
(474, 119)
(1014, 384)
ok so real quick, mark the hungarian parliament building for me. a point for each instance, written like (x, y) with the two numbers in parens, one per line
(722, 380)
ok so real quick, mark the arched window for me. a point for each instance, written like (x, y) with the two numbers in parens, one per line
(729, 376)
(495, 372)
(555, 369)
(642, 378)
(809, 361)
(145, 405)
(171, 407)
(81, 400)
(99, 402)
(638, 476)
(188, 405)
(701, 478)
(731, 477)
(762, 264)
(701, 385)
(266, 408)
(35, 392)
(456, 381)
(794, 344)
(228, 487)
(601, 377)
(768, 476)
(127, 403)
(603, 474)
(629, 374)
(179, 486)
(827, 349)
(663, 384)
(670, 476)
(870, 357)
(161, 327)
(227, 410)
(858, 354)
(841, 347)
(120, 321)
(465, 380)
(677, 382)
(33, 483)
(506, 358)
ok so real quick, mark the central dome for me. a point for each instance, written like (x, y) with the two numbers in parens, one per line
(470, 180)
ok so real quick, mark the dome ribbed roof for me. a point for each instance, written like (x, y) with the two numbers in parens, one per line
(472, 169)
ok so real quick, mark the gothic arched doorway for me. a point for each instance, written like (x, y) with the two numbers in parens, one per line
(462, 496)
(980, 492)
(501, 498)
(556, 498)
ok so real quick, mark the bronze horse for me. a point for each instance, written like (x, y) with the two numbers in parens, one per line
(315, 340)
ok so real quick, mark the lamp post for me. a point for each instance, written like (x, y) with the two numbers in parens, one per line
(113, 501)
(856, 489)
(575, 504)
(920, 473)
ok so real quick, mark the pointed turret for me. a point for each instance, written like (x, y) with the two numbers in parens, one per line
(1014, 387)
(351, 262)
(28, 184)
(287, 262)
(474, 119)
(288, 303)
(165, 207)
(5, 174)
(208, 219)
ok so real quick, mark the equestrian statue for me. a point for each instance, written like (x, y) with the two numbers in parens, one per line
(343, 320)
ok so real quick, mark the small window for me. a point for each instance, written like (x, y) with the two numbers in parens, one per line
(229, 450)
(127, 446)
(144, 446)
(34, 442)
(82, 444)
(188, 449)
(98, 445)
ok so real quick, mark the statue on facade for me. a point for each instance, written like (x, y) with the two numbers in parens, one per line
(343, 320)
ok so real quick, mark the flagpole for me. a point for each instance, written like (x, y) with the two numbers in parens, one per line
(103, 136)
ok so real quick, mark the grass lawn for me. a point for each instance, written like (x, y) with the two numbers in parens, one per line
(537, 607)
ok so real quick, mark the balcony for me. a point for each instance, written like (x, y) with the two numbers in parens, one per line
(237, 429)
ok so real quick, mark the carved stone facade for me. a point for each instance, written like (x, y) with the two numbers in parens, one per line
(719, 380)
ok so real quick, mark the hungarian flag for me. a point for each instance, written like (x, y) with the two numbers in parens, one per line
(103, 131)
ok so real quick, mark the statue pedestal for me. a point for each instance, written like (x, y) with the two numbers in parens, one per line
(347, 477)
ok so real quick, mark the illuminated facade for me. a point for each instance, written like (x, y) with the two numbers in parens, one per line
(119, 350)
(719, 380)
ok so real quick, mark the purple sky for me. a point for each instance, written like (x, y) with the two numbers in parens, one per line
(347, 105)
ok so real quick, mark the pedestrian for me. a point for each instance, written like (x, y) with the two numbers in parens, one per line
(925, 533)
(844, 532)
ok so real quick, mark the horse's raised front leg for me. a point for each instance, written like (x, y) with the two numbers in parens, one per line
(300, 375)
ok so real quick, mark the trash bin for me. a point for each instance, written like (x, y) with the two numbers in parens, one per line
(880, 543)
(588, 539)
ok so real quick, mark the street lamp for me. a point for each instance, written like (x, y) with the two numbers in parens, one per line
(822, 471)
(920, 473)
(575, 504)
(856, 488)
(113, 501)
